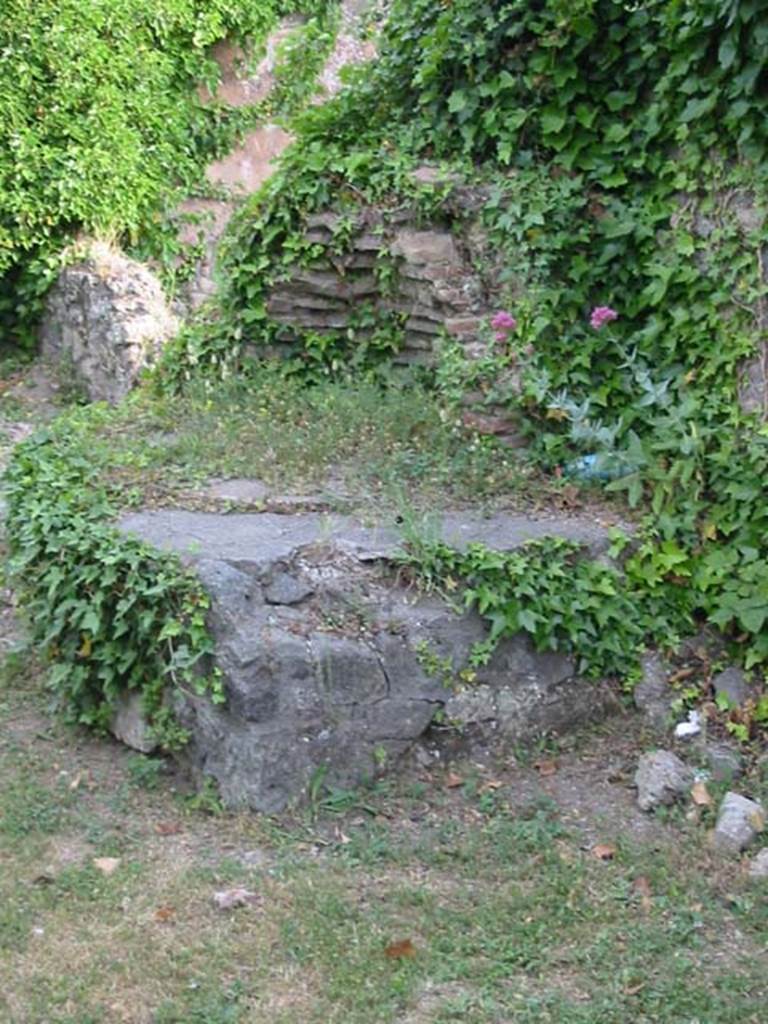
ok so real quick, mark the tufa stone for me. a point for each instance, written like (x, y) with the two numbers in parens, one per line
(661, 778)
(739, 821)
(106, 319)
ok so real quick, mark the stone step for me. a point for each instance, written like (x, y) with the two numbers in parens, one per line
(264, 537)
(331, 663)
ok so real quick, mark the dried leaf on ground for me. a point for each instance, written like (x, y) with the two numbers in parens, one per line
(106, 865)
(168, 828)
(400, 950)
(230, 899)
(700, 794)
(164, 914)
(453, 781)
(604, 851)
(490, 786)
(546, 767)
(642, 887)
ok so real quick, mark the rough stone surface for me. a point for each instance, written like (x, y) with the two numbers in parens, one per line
(247, 536)
(732, 683)
(725, 762)
(661, 778)
(652, 695)
(739, 822)
(106, 319)
(433, 282)
(202, 222)
(758, 867)
(246, 168)
(129, 724)
(240, 490)
(329, 661)
(239, 84)
(753, 382)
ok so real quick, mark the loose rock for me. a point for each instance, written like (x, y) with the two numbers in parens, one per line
(758, 868)
(732, 684)
(738, 822)
(105, 320)
(231, 899)
(661, 778)
(725, 763)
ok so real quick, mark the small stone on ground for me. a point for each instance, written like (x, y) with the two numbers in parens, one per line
(739, 821)
(661, 778)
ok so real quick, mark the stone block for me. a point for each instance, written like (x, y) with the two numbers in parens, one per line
(106, 319)
(319, 649)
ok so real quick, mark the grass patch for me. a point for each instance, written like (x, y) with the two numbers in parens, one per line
(509, 915)
(388, 447)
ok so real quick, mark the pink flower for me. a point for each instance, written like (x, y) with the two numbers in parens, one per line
(501, 335)
(602, 315)
(503, 322)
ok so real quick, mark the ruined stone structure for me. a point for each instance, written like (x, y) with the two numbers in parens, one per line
(332, 664)
(424, 278)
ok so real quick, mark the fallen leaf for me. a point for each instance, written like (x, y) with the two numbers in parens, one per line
(490, 786)
(75, 783)
(168, 828)
(642, 887)
(106, 865)
(682, 673)
(545, 768)
(633, 988)
(453, 780)
(604, 851)
(230, 899)
(164, 914)
(400, 950)
(700, 794)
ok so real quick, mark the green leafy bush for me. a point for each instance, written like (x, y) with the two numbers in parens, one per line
(100, 122)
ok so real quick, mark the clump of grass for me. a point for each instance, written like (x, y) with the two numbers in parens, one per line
(382, 446)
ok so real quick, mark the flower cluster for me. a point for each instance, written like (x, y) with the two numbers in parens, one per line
(503, 323)
(602, 315)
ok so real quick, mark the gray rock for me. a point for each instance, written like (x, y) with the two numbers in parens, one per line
(758, 867)
(725, 762)
(105, 320)
(753, 382)
(285, 588)
(243, 491)
(739, 821)
(266, 538)
(329, 663)
(732, 684)
(129, 724)
(652, 694)
(661, 778)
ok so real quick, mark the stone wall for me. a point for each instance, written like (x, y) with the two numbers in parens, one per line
(425, 278)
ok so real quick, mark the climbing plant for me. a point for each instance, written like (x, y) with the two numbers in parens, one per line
(100, 122)
(622, 150)
(108, 615)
